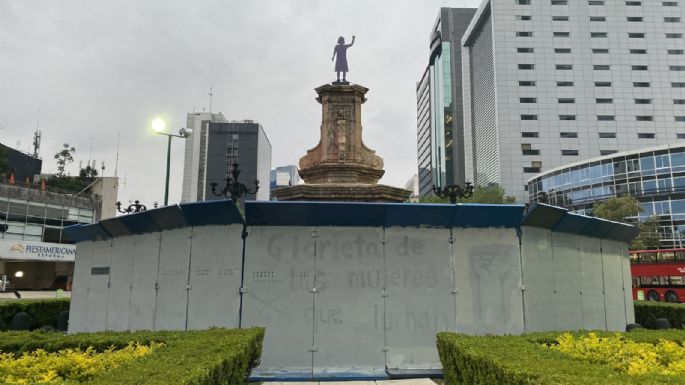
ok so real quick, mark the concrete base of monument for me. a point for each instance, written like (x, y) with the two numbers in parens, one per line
(342, 192)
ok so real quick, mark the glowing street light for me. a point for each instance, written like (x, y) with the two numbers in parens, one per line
(159, 125)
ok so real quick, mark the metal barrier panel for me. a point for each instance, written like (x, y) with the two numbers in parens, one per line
(98, 286)
(172, 280)
(567, 272)
(120, 283)
(279, 278)
(141, 314)
(215, 267)
(348, 310)
(419, 302)
(592, 283)
(627, 283)
(538, 279)
(78, 307)
(488, 281)
(614, 297)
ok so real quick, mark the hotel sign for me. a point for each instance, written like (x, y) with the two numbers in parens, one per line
(37, 251)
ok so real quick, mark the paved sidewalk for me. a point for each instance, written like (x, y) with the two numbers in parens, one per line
(416, 381)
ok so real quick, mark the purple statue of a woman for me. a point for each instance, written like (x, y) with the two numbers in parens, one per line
(341, 51)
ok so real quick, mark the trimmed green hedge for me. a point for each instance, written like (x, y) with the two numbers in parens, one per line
(208, 357)
(646, 312)
(518, 360)
(42, 311)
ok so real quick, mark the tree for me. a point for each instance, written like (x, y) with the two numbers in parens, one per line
(64, 157)
(617, 209)
(492, 193)
(649, 238)
(4, 164)
(88, 173)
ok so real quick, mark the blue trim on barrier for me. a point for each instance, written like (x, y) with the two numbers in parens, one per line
(76, 233)
(543, 215)
(139, 223)
(487, 215)
(168, 217)
(91, 232)
(218, 212)
(419, 215)
(315, 214)
(572, 223)
(115, 227)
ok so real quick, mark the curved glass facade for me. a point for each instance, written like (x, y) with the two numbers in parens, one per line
(655, 176)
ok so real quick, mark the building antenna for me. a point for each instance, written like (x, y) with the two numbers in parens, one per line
(37, 136)
(116, 162)
(90, 152)
(210, 99)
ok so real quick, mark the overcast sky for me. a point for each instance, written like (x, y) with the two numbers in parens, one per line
(96, 69)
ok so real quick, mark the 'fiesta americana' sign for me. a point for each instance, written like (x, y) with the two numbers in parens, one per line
(37, 251)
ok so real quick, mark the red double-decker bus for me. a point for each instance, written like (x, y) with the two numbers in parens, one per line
(658, 275)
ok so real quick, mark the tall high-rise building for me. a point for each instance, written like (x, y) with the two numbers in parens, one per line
(439, 106)
(551, 82)
(212, 149)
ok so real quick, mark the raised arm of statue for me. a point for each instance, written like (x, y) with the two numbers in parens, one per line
(350, 45)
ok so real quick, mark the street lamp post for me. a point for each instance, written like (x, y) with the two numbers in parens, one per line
(233, 188)
(454, 191)
(135, 207)
(159, 125)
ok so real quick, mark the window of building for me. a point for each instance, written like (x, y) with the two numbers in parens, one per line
(559, 18)
(638, 51)
(562, 50)
(639, 68)
(671, 20)
(530, 152)
(602, 84)
(644, 118)
(567, 117)
(674, 35)
(636, 35)
(633, 3)
(641, 84)
(680, 118)
(527, 83)
(604, 100)
(531, 170)
(678, 84)
(529, 117)
(634, 18)
(607, 152)
(569, 152)
(675, 51)
(605, 118)
(596, 2)
(524, 33)
(564, 67)
(607, 135)
(562, 34)
(524, 50)
(600, 50)
(559, 2)
(526, 66)
(530, 134)
(680, 136)
(566, 100)
(565, 84)
(524, 17)
(678, 101)
(522, 2)
(643, 101)
(601, 67)
(598, 18)
(669, 3)
(568, 134)
(598, 34)
(528, 100)
(676, 68)
(646, 135)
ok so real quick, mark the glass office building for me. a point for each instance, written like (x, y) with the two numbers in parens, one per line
(655, 176)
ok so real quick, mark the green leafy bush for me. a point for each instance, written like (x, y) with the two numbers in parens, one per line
(208, 357)
(42, 311)
(515, 360)
(646, 312)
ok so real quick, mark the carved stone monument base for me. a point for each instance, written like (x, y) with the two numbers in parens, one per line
(342, 192)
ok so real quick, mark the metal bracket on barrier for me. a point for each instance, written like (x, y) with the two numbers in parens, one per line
(243, 290)
(313, 349)
(454, 291)
(386, 348)
(451, 240)
(156, 285)
(187, 287)
(384, 293)
(314, 234)
(313, 290)
(523, 287)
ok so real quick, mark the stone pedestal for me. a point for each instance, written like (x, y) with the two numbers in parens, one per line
(341, 167)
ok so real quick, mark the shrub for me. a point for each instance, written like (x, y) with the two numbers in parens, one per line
(209, 357)
(526, 359)
(41, 311)
(646, 312)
